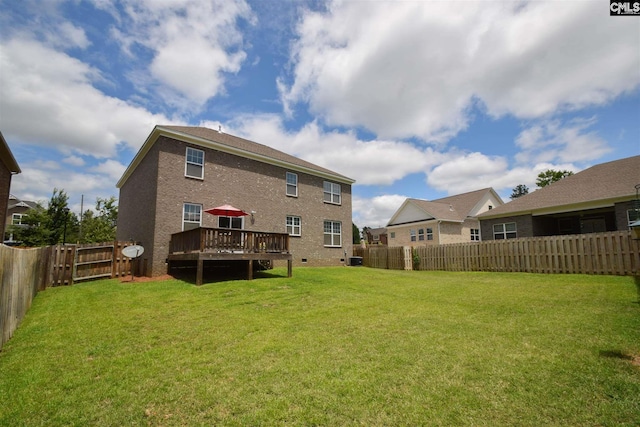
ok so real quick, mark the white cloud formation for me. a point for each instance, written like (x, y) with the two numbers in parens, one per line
(376, 211)
(552, 140)
(49, 98)
(375, 162)
(193, 44)
(404, 69)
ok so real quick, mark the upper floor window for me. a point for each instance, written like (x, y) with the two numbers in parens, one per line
(194, 165)
(504, 231)
(412, 234)
(191, 216)
(333, 233)
(16, 218)
(429, 233)
(292, 184)
(475, 234)
(230, 222)
(421, 234)
(332, 193)
(294, 227)
(393, 235)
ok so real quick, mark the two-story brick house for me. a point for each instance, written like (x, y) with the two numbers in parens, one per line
(181, 171)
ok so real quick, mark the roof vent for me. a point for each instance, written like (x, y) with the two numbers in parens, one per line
(451, 208)
(219, 128)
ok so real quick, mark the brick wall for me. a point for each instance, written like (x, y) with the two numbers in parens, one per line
(247, 184)
(5, 187)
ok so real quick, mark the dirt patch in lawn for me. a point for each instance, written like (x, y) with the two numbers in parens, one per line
(144, 279)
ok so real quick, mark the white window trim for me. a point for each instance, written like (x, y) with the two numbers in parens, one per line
(332, 192)
(421, 234)
(184, 205)
(293, 226)
(332, 233)
(412, 235)
(475, 237)
(429, 233)
(504, 231)
(287, 184)
(187, 163)
(629, 220)
(18, 217)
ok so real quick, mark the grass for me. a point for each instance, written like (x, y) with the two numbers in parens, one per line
(330, 346)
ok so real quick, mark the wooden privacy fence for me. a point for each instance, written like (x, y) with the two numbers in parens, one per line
(614, 253)
(24, 272)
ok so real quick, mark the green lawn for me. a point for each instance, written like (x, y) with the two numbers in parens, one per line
(332, 347)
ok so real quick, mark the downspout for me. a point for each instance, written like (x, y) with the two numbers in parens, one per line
(439, 221)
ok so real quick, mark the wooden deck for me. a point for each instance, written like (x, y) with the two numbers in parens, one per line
(223, 244)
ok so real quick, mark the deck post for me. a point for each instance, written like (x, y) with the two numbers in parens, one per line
(250, 270)
(199, 272)
(289, 267)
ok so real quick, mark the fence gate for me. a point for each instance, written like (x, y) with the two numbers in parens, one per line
(93, 262)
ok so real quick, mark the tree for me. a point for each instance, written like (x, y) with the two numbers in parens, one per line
(550, 176)
(101, 226)
(59, 217)
(519, 190)
(34, 230)
(356, 234)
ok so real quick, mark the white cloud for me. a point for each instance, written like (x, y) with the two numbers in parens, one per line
(376, 211)
(552, 140)
(403, 69)
(74, 161)
(193, 45)
(111, 168)
(374, 162)
(48, 98)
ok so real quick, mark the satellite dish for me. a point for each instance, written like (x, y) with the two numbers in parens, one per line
(133, 251)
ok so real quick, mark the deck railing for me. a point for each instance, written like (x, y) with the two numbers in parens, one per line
(228, 240)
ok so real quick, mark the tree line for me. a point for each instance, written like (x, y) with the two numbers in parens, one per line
(55, 223)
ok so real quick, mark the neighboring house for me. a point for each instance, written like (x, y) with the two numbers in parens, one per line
(182, 171)
(8, 168)
(600, 198)
(451, 219)
(16, 212)
(376, 236)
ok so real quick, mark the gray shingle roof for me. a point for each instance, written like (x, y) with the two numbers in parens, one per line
(250, 147)
(601, 184)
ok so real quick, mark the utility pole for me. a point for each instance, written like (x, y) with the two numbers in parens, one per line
(81, 212)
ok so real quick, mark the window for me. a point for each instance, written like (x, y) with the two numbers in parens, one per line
(421, 234)
(194, 166)
(412, 233)
(475, 234)
(292, 184)
(332, 192)
(230, 222)
(633, 215)
(332, 233)
(191, 216)
(16, 218)
(393, 234)
(294, 227)
(504, 231)
(429, 233)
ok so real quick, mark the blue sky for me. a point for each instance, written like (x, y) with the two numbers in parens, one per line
(409, 98)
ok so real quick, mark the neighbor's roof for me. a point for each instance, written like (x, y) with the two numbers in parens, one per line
(7, 157)
(220, 141)
(452, 208)
(598, 186)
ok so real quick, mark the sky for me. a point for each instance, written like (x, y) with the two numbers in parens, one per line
(420, 99)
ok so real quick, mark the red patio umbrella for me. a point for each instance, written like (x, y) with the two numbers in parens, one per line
(226, 210)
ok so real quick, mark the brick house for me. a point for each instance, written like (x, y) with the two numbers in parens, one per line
(451, 219)
(376, 236)
(182, 171)
(598, 199)
(8, 168)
